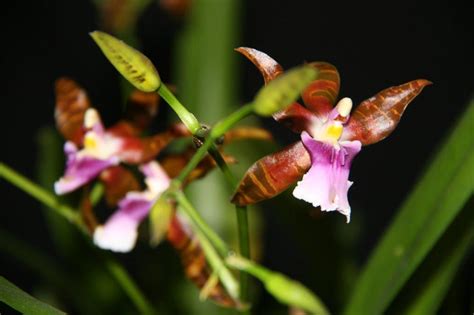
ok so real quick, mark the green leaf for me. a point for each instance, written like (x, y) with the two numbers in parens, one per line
(427, 289)
(22, 301)
(132, 64)
(284, 90)
(423, 218)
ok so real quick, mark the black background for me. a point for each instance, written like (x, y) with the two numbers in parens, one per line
(374, 45)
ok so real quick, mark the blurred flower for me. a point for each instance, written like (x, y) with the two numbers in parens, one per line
(119, 233)
(99, 152)
(331, 137)
(91, 148)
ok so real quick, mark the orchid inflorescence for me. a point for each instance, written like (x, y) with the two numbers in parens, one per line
(331, 133)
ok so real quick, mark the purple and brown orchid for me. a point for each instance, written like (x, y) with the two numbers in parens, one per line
(331, 136)
(95, 152)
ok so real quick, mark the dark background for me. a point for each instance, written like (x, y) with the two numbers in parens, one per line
(374, 45)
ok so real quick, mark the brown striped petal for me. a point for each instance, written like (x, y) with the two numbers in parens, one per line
(272, 174)
(269, 68)
(137, 150)
(295, 117)
(194, 262)
(321, 95)
(71, 104)
(375, 118)
(118, 181)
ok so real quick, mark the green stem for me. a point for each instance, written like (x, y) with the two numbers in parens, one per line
(129, 286)
(197, 220)
(242, 221)
(49, 200)
(242, 218)
(216, 132)
(40, 194)
(186, 117)
(219, 266)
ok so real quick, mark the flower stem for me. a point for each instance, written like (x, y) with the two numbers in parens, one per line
(40, 194)
(242, 218)
(49, 200)
(184, 115)
(129, 286)
(216, 132)
(202, 226)
(242, 221)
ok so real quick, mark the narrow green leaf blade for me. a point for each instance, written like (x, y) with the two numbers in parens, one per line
(436, 274)
(420, 222)
(21, 301)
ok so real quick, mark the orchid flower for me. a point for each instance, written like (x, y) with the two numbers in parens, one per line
(119, 233)
(91, 148)
(330, 138)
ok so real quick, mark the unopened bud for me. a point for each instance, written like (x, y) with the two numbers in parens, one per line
(285, 89)
(132, 64)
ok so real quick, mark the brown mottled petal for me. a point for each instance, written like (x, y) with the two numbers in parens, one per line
(295, 116)
(141, 108)
(194, 262)
(137, 150)
(244, 133)
(375, 118)
(321, 95)
(118, 181)
(272, 174)
(124, 128)
(71, 104)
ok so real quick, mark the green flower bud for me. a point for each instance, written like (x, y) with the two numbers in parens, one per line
(132, 64)
(160, 216)
(282, 288)
(284, 90)
(293, 293)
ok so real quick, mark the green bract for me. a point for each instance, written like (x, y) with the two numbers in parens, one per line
(132, 64)
(284, 90)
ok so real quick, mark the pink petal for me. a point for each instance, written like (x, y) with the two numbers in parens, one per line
(326, 183)
(119, 233)
(80, 169)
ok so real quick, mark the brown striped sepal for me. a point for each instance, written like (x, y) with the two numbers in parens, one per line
(321, 95)
(117, 182)
(272, 174)
(296, 117)
(268, 67)
(194, 262)
(71, 104)
(375, 118)
(136, 150)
